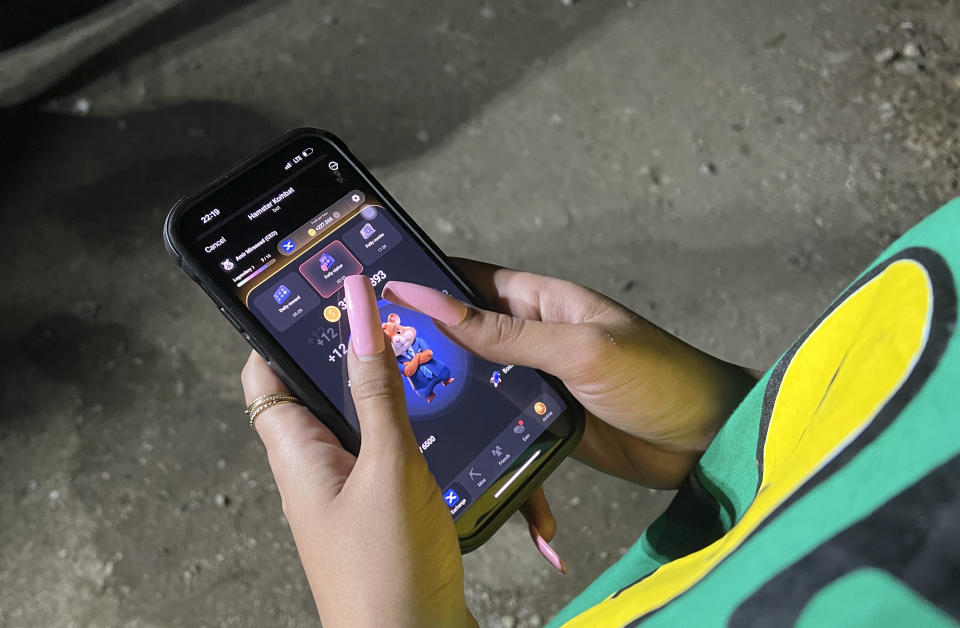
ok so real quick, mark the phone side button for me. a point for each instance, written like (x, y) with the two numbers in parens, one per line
(233, 321)
(256, 347)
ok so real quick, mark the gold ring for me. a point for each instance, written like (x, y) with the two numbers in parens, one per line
(263, 402)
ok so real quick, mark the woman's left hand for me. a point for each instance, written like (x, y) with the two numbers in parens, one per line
(375, 538)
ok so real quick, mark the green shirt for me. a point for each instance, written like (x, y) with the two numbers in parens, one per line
(831, 497)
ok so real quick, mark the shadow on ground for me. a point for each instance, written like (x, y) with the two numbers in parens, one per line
(123, 446)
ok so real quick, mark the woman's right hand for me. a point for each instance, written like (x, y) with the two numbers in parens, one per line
(653, 402)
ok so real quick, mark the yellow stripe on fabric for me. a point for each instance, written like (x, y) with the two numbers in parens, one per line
(838, 380)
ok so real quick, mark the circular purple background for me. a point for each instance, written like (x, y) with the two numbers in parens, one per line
(444, 350)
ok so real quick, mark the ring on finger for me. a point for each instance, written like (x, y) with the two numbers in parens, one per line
(263, 402)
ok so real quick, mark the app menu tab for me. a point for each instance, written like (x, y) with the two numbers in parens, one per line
(373, 237)
(510, 452)
(327, 269)
(288, 300)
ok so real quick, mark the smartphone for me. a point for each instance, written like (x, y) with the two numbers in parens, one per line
(271, 241)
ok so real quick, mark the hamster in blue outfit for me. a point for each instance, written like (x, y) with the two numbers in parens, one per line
(415, 359)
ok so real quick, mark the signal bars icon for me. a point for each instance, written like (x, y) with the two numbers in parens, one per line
(298, 158)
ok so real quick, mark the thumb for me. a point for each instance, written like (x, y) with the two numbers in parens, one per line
(503, 338)
(375, 382)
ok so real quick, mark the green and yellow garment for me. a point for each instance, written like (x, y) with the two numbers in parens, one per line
(831, 497)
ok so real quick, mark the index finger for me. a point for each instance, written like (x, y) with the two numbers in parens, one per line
(533, 297)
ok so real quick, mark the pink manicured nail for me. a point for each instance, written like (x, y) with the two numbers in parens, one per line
(431, 302)
(548, 552)
(365, 330)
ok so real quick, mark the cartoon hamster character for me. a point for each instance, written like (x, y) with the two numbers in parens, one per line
(415, 358)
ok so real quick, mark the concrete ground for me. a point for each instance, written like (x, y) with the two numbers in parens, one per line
(721, 167)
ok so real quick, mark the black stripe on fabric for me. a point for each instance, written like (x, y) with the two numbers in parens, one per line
(914, 537)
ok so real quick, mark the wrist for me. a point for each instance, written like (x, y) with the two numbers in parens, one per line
(730, 385)
(440, 615)
(699, 393)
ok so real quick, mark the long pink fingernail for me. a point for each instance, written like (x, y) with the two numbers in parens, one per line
(548, 552)
(431, 302)
(365, 331)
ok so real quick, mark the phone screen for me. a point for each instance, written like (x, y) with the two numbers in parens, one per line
(283, 242)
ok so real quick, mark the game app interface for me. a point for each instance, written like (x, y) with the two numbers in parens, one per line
(285, 254)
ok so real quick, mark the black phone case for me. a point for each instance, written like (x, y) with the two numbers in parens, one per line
(291, 374)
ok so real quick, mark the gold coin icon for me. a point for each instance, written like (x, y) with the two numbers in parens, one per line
(311, 232)
(540, 407)
(331, 313)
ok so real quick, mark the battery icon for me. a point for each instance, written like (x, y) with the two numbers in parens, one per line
(307, 152)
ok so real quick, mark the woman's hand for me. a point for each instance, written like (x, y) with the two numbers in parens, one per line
(653, 402)
(376, 541)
